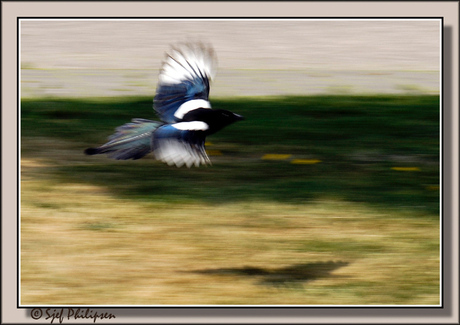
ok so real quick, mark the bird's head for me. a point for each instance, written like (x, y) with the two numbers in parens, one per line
(216, 119)
(220, 118)
(228, 116)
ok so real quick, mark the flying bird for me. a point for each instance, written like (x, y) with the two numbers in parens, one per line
(182, 103)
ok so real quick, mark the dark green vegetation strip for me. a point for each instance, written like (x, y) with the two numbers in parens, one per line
(357, 138)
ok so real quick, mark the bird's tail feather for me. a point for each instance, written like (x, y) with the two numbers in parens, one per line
(131, 140)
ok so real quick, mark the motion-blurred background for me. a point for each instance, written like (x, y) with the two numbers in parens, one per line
(327, 194)
(276, 57)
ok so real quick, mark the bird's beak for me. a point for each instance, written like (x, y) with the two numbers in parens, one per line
(238, 117)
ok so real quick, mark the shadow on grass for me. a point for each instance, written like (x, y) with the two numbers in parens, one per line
(286, 276)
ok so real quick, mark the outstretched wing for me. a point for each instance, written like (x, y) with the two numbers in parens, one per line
(181, 144)
(131, 140)
(183, 83)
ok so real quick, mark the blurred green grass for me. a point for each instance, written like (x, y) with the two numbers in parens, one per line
(245, 230)
(357, 138)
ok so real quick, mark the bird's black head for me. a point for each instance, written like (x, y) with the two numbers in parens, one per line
(217, 119)
(227, 115)
(220, 118)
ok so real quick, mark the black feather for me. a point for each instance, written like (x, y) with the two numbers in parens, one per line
(91, 151)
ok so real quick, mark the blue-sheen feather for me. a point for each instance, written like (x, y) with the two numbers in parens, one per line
(130, 141)
(169, 98)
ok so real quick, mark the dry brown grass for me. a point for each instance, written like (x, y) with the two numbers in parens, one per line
(82, 246)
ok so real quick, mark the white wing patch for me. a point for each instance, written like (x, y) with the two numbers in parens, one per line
(189, 62)
(190, 106)
(191, 126)
(179, 153)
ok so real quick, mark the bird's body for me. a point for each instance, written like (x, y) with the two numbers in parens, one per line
(182, 103)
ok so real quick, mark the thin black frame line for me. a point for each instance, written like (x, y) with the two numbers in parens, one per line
(18, 156)
(232, 1)
(228, 18)
(441, 173)
(364, 307)
(442, 271)
(243, 1)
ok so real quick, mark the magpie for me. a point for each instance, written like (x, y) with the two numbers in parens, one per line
(182, 103)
